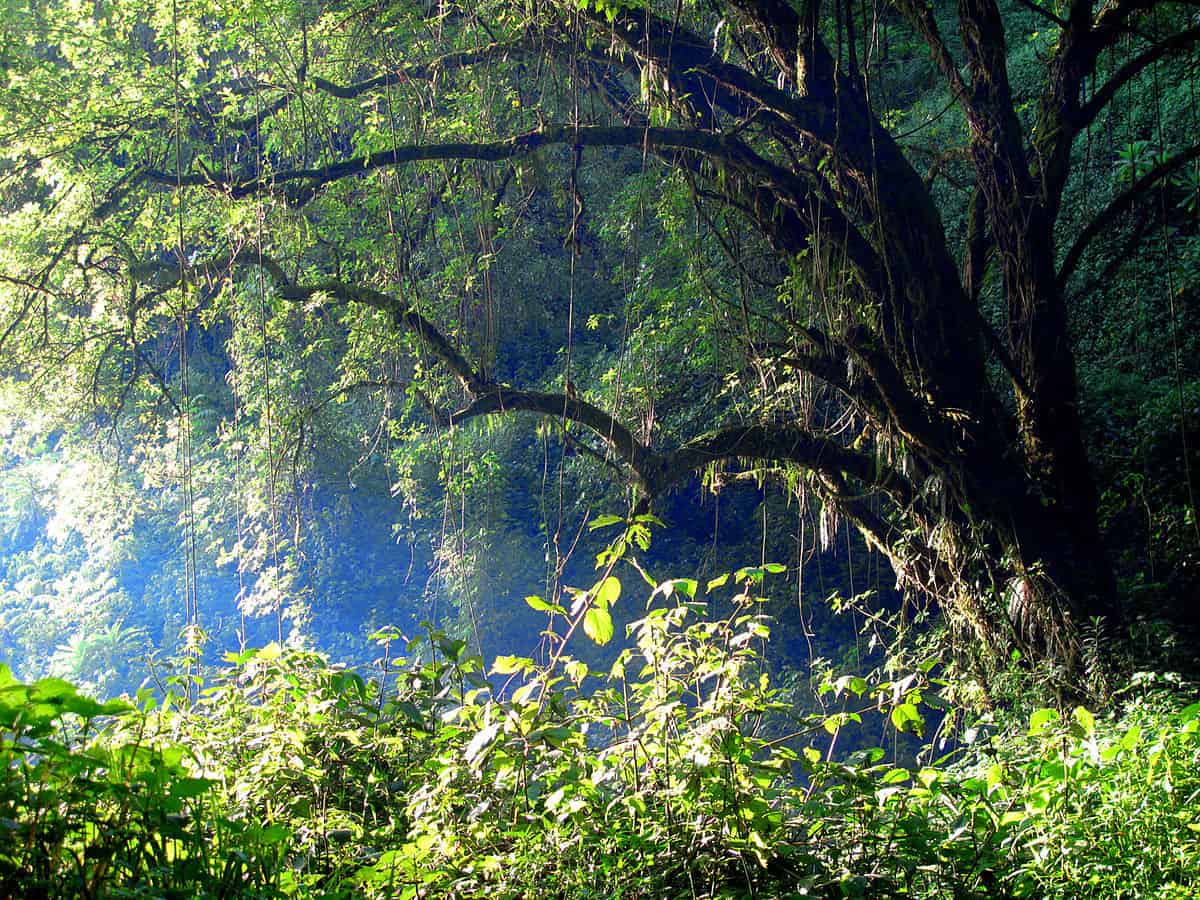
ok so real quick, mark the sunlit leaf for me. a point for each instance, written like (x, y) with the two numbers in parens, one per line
(598, 625)
(533, 601)
(604, 521)
(607, 592)
(1084, 723)
(906, 717)
(481, 742)
(1042, 719)
(508, 665)
(717, 582)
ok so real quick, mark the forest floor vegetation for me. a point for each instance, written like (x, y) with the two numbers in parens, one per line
(682, 771)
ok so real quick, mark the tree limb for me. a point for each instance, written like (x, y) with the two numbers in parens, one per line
(1181, 40)
(781, 443)
(1119, 205)
(716, 146)
(699, 73)
(494, 399)
(654, 472)
(426, 71)
(1044, 13)
(920, 14)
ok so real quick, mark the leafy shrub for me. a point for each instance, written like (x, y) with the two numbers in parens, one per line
(679, 771)
(92, 805)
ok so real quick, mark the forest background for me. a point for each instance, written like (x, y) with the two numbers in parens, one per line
(320, 320)
(276, 465)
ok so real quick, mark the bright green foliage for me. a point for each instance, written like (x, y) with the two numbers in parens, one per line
(1105, 809)
(682, 771)
(94, 807)
(1084, 809)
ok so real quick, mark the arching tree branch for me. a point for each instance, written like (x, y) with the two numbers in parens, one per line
(1177, 42)
(714, 146)
(780, 443)
(495, 399)
(1121, 204)
(400, 75)
(712, 85)
(655, 472)
(1044, 13)
(770, 183)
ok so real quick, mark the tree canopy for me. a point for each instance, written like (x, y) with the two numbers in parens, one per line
(849, 245)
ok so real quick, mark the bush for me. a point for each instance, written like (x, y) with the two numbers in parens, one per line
(679, 771)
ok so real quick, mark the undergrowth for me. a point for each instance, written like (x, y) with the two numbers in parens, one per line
(680, 771)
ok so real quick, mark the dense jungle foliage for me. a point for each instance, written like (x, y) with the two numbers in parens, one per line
(681, 771)
(599, 448)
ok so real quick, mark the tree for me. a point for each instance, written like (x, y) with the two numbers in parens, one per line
(186, 161)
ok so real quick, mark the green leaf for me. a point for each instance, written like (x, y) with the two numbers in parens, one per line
(649, 519)
(553, 736)
(604, 521)
(717, 582)
(533, 601)
(269, 653)
(507, 665)
(412, 713)
(640, 535)
(186, 788)
(522, 695)
(87, 708)
(598, 625)
(273, 834)
(1085, 723)
(854, 683)
(481, 742)
(835, 722)
(1131, 738)
(49, 690)
(753, 574)
(607, 592)
(576, 670)
(907, 717)
(683, 585)
(1042, 719)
